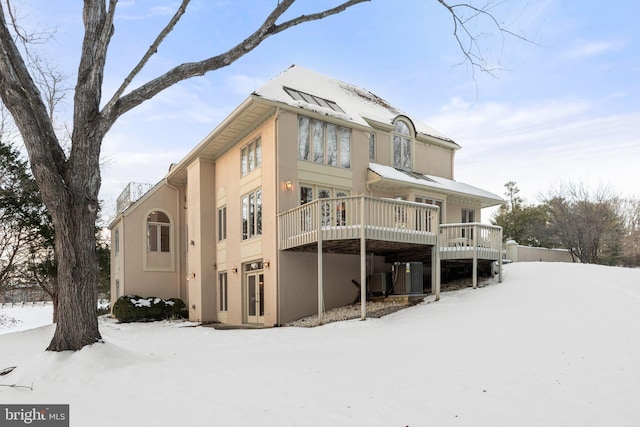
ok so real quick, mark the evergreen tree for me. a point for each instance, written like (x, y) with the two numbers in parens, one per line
(526, 224)
(24, 222)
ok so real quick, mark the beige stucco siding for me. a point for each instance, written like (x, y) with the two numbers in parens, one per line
(299, 284)
(201, 241)
(135, 270)
(431, 159)
(233, 253)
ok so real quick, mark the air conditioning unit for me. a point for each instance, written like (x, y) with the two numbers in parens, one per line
(407, 278)
(380, 284)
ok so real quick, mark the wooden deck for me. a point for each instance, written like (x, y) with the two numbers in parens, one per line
(396, 229)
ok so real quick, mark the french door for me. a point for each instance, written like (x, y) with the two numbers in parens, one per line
(255, 297)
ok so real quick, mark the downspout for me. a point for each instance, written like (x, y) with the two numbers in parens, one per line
(178, 248)
(277, 187)
(121, 261)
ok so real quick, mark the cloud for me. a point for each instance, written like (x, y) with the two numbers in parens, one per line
(144, 13)
(589, 49)
(541, 145)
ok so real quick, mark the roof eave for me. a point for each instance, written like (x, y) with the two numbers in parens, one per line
(485, 202)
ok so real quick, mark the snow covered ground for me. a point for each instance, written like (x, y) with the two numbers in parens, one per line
(553, 345)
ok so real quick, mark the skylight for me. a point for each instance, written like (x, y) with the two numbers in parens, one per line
(415, 175)
(312, 99)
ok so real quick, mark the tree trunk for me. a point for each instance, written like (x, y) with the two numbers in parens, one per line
(78, 275)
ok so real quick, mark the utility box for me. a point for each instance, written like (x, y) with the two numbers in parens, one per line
(380, 284)
(407, 278)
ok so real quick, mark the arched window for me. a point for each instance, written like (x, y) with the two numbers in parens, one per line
(402, 145)
(158, 232)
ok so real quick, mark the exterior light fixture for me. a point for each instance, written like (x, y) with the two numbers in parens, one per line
(234, 270)
(288, 185)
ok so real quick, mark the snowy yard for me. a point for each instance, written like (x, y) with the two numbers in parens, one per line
(553, 345)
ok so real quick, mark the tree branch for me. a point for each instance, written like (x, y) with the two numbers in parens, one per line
(98, 24)
(153, 49)
(118, 106)
(21, 96)
(468, 41)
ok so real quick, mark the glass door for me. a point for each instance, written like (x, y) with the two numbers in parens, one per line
(255, 298)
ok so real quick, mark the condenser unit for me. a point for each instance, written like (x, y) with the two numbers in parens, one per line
(380, 284)
(407, 278)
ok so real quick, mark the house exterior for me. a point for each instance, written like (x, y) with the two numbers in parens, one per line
(308, 187)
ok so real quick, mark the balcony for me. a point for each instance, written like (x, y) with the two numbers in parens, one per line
(131, 194)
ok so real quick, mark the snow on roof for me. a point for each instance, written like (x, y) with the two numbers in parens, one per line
(434, 182)
(358, 104)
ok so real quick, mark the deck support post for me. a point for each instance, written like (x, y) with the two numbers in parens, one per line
(435, 268)
(363, 261)
(500, 257)
(475, 240)
(320, 279)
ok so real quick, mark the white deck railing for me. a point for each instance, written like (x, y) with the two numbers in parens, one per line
(340, 218)
(458, 241)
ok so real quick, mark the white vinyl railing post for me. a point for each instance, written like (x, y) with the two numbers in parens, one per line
(475, 241)
(363, 261)
(318, 222)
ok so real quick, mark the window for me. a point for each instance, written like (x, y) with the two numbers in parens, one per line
(334, 213)
(116, 241)
(251, 156)
(158, 232)
(222, 291)
(428, 201)
(402, 143)
(468, 215)
(252, 215)
(372, 146)
(324, 143)
(222, 223)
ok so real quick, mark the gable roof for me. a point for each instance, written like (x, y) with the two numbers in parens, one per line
(388, 176)
(314, 92)
(321, 94)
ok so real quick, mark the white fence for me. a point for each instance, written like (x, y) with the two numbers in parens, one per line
(25, 304)
(520, 253)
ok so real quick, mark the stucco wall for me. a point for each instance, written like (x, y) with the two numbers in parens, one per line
(130, 266)
(519, 253)
(299, 283)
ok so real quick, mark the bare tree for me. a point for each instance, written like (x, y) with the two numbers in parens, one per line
(588, 223)
(631, 238)
(70, 181)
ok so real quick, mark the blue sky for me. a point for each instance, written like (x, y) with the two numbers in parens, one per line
(564, 108)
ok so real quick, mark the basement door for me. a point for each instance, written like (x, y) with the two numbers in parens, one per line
(255, 298)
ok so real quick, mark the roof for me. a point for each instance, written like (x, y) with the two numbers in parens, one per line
(356, 105)
(315, 92)
(436, 183)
